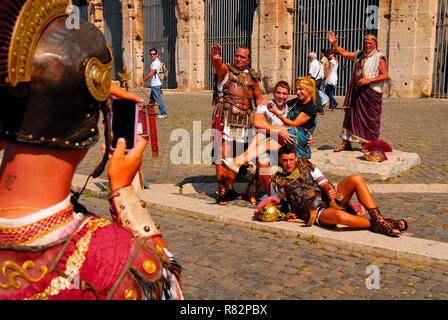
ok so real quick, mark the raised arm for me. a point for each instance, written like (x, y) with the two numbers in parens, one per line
(216, 61)
(341, 51)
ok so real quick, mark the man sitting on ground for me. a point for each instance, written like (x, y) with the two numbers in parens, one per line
(299, 174)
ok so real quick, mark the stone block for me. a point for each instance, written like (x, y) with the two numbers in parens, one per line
(347, 163)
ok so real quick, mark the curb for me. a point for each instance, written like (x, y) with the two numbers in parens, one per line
(167, 197)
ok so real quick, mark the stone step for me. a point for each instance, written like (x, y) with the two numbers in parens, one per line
(347, 163)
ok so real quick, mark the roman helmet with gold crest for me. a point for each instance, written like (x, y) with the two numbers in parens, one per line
(54, 78)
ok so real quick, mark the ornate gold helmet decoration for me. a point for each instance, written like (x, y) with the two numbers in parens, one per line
(268, 210)
(54, 78)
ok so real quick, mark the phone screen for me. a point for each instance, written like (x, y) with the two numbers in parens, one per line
(124, 122)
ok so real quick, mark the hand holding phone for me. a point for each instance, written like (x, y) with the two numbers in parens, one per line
(124, 122)
(123, 166)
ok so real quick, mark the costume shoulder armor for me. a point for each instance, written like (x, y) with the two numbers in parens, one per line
(144, 275)
(255, 76)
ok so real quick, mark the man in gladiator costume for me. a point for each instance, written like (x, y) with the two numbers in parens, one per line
(236, 88)
(54, 80)
(306, 194)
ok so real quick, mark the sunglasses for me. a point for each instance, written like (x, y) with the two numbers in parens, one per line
(153, 54)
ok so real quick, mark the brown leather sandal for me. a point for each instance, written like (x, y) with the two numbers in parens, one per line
(231, 194)
(343, 146)
(379, 224)
(396, 224)
(221, 198)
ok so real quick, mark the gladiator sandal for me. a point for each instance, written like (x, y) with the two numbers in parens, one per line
(396, 224)
(231, 194)
(345, 145)
(221, 194)
(379, 224)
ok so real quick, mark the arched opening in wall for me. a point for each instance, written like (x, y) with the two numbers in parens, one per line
(160, 32)
(440, 80)
(228, 23)
(350, 20)
(113, 32)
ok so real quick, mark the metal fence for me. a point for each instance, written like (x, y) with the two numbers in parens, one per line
(83, 8)
(440, 81)
(350, 20)
(228, 23)
(113, 32)
(160, 32)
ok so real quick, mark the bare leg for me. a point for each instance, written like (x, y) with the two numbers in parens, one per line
(221, 173)
(356, 183)
(265, 179)
(252, 146)
(330, 217)
(255, 150)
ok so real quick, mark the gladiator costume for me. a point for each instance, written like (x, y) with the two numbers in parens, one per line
(233, 103)
(301, 192)
(304, 200)
(55, 81)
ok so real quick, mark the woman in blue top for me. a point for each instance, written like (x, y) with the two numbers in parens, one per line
(301, 121)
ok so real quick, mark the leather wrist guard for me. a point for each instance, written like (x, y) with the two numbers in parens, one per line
(130, 211)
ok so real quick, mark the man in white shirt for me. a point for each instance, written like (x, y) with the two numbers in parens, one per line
(268, 123)
(316, 72)
(156, 83)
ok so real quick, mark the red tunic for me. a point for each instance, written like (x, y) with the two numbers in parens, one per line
(100, 260)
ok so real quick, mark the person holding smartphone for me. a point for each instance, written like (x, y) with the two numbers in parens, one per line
(67, 252)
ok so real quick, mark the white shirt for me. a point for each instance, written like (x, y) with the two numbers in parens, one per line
(270, 117)
(316, 70)
(333, 78)
(155, 80)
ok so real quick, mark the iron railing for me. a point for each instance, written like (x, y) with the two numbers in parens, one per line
(160, 32)
(440, 80)
(113, 32)
(228, 23)
(350, 20)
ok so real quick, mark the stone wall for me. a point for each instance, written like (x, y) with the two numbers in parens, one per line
(272, 41)
(190, 45)
(406, 34)
(95, 12)
(407, 31)
(132, 42)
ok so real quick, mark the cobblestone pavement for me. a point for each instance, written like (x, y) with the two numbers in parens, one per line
(227, 262)
(411, 125)
(426, 214)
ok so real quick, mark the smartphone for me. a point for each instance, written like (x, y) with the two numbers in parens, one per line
(124, 122)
